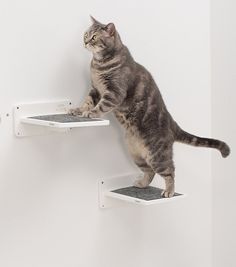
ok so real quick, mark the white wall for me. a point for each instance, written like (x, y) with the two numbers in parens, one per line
(49, 214)
(223, 44)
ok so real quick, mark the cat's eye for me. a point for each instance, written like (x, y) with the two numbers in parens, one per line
(94, 37)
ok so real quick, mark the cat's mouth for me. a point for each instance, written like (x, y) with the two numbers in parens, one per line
(91, 47)
(88, 46)
(86, 43)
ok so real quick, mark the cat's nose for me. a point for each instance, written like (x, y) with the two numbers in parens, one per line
(86, 39)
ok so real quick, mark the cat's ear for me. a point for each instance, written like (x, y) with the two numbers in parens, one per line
(110, 28)
(94, 20)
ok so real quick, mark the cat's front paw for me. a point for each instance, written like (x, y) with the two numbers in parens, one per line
(167, 194)
(90, 114)
(141, 182)
(75, 112)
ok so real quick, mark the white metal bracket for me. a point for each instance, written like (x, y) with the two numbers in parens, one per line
(22, 111)
(42, 118)
(125, 192)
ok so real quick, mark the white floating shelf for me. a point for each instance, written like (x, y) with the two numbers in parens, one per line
(120, 188)
(63, 121)
(42, 118)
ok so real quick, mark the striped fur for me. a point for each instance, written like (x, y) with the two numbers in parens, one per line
(121, 85)
(187, 138)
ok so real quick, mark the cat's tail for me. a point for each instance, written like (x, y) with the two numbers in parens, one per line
(187, 138)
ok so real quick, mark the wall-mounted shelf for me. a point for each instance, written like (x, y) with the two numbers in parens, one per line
(120, 188)
(41, 118)
(63, 121)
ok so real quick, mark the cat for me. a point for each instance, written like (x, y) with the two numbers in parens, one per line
(121, 85)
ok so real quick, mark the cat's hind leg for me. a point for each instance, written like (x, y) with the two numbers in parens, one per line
(164, 166)
(148, 174)
(170, 185)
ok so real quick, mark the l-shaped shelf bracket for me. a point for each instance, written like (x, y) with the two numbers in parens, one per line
(41, 118)
(120, 188)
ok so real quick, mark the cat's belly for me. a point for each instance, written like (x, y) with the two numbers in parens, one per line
(136, 144)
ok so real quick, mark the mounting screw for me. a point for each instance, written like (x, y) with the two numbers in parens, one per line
(70, 103)
(7, 115)
(17, 107)
(102, 182)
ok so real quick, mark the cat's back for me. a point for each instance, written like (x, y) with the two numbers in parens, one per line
(143, 88)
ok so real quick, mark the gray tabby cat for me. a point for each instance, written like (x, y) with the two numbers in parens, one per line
(121, 85)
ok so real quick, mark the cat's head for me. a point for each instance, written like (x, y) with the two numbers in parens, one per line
(101, 38)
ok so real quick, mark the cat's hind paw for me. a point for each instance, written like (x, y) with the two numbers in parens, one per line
(167, 194)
